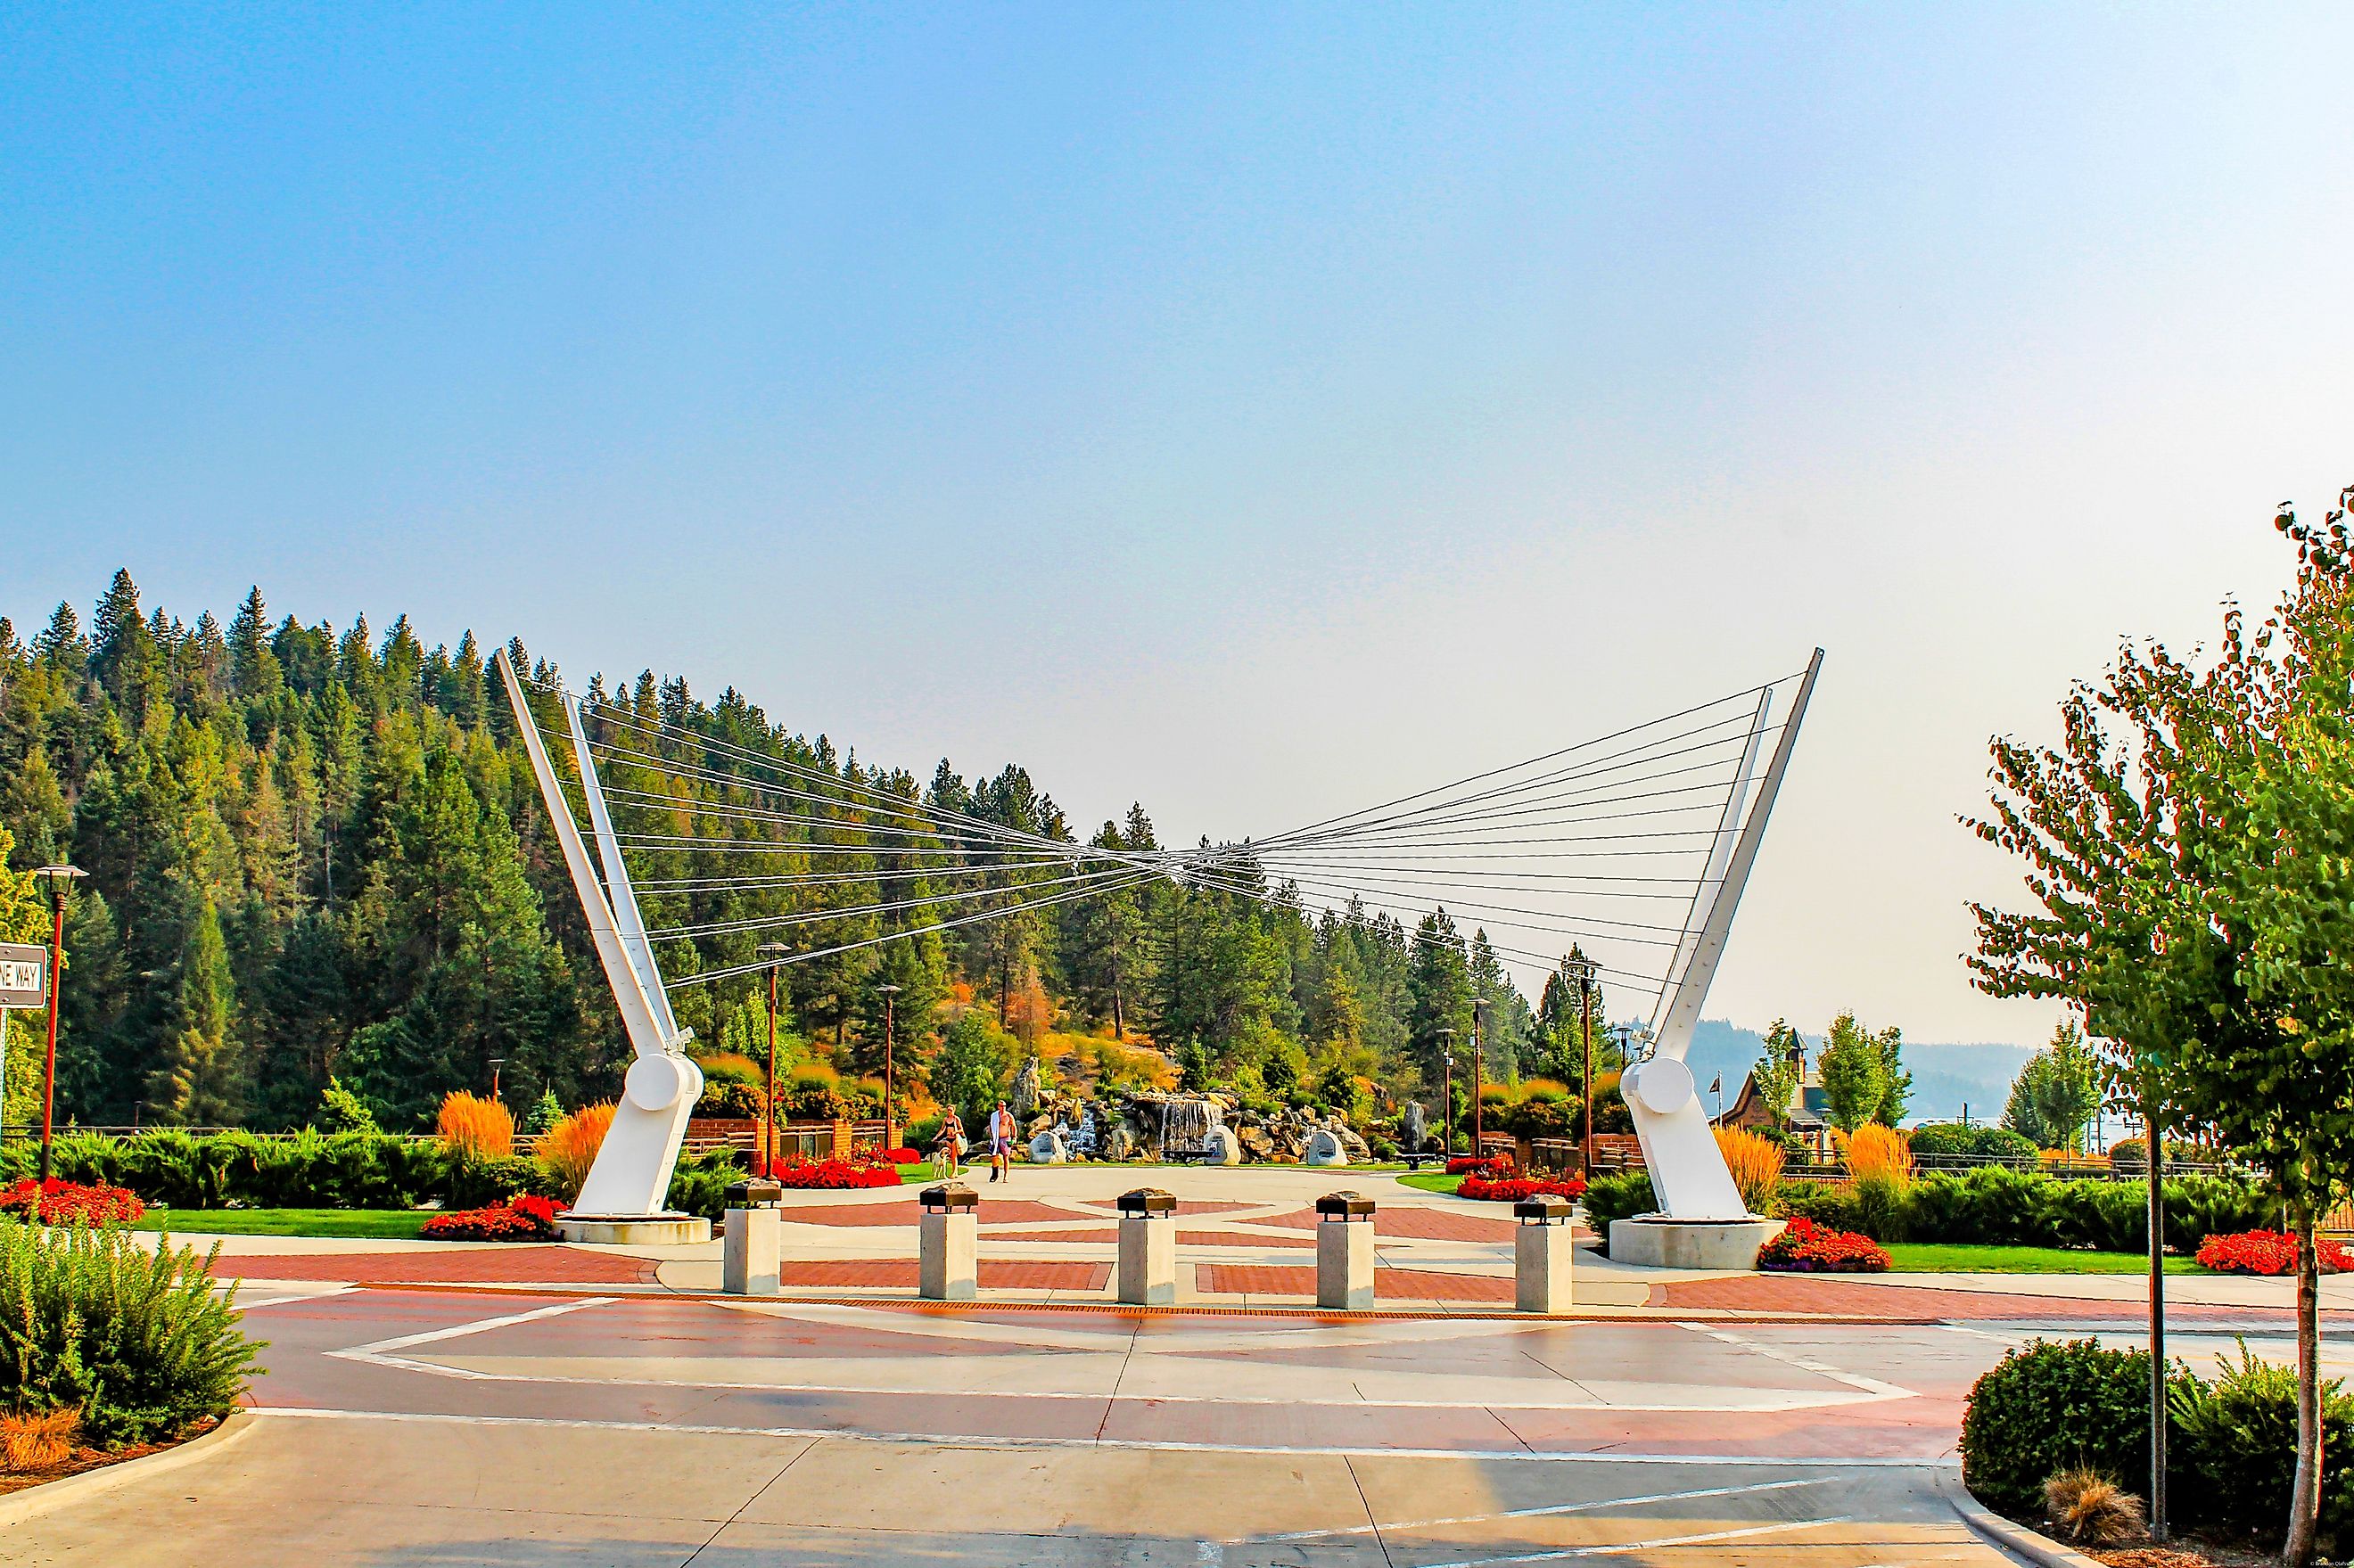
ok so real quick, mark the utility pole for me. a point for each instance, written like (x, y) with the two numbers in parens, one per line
(59, 878)
(775, 953)
(890, 1140)
(1581, 970)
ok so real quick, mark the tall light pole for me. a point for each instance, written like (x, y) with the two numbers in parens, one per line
(1479, 1073)
(1447, 1111)
(1580, 969)
(775, 953)
(59, 878)
(890, 1138)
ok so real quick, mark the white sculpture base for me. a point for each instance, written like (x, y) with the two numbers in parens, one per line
(1541, 1256)
(1655, 1240)
(635, 1230)
(1344, 1265)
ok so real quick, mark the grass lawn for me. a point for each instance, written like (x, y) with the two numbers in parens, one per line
(394, 1222)
(1431, 1181)
(1937, 1258)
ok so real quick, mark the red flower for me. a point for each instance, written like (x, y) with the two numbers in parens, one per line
(1805, 1247)
(2268, 1252)
(61, 1203)
(524, 1218)
(837, 1175)
(1511, 1189)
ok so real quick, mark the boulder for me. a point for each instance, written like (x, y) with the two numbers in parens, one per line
(1354, 1146)
(1220, 1147)
(1416, 1129)
(1324, 1148)
(1046, 1149)
(1119, 1143)
(1256, 1143)
(1026, 1089)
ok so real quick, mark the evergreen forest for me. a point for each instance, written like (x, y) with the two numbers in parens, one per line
(319, 854)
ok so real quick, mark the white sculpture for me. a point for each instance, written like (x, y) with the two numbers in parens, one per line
(1324, 1148)
(631, 1174)
(1687, 1173)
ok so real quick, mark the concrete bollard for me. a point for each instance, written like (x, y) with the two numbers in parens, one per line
(950, 1241)
(1344, 1251)
(1542, 1251)
(752, 1256)
(1148, 1247)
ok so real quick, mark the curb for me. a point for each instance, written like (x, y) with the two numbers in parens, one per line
(2016, 1539)
(19, 1506)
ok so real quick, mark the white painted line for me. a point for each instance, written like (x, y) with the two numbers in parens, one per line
(940, 1440)
(376, 1350)
(243, 1305)
(1872, 1386)
(1591, 1507)
(1612, 1549)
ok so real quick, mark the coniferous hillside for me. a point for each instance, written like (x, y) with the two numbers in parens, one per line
(319, 851)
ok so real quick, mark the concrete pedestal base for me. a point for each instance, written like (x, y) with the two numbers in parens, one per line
(1540, 1267)
(635, 1230)
(1654, 1241)
(947, 1246)
(1148, 1261)
(751, 1259)
(1344, 1263)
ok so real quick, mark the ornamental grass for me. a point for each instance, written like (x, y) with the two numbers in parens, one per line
(41, 1442)
(476, 1128)
(1755, 1162)
(569, 1148)
(1876, 1152)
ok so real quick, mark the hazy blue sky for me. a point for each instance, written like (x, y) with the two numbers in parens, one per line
(1256, 411)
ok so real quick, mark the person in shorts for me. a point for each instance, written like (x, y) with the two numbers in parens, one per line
(949, 1146)
(1000, 1142)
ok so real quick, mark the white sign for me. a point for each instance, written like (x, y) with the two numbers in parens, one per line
(24, 975)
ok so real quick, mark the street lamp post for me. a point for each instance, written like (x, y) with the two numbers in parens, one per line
(1581, 970)
(775, 953)
(890, 1136)
(59, 878)
(1447, 1112)
(1479, 1074)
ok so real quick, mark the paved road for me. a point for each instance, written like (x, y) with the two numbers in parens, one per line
(445, 1426)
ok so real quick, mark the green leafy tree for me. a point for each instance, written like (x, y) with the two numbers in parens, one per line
(1777, 1072)
(2056, 1091)
(974, 1065)
(1853, 1068)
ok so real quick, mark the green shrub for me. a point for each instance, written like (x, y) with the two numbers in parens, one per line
(922, 1132)
(699, 1185)
(1880, 1207)
(474, 1182)
(1618, 1197)
(340, 1110)
(1825, 1203)
(1951, 1138)
(136, 1341)
(2233, 1447)
(726, 1097)
(2048, 1407)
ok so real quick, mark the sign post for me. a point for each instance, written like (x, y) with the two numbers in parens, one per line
(23, 982)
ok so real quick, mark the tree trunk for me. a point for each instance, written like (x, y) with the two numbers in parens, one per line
(2305, 1488)
(2157, 1417)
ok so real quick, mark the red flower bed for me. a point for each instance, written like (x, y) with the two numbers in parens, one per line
(2268, 1252)
(61, 1203)
(1492, 1166)
(900, 1156)
(1510, 1189)
(1805, 1247)
(524, 1219)
(837, 1175)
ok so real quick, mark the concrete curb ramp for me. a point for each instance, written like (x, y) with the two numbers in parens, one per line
(20, 1506)
(2040, 1550)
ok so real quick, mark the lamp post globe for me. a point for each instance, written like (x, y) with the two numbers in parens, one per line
(774, 952)
(60, 879)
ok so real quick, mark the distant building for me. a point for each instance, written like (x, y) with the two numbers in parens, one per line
(1807, 1114)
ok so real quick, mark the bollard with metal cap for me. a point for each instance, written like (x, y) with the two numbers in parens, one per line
(1542, 1250)
(752, 1254)
(1148, 1247)
(948, 1243)
(1344, 1251)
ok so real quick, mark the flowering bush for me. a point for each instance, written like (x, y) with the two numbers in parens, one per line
(1805, 1247)
(899, 1157)
(2267, 1252)
(837, 1175)
(523, 1218)
(59, 1202)
(1509, 1188)
(1494, 1167)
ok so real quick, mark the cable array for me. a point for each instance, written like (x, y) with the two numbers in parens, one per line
(1604, 845)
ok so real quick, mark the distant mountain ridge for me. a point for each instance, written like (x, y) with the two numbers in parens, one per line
(1945, 1076)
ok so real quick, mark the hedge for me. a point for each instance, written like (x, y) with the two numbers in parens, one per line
(1993, 1206)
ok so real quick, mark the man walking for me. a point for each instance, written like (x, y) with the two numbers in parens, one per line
(1000, 1142)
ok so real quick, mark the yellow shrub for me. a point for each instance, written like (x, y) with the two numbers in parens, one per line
(1880, 1153)
(1755, 1162)
(39, 1442)
(478, 1128)
(569, 1148)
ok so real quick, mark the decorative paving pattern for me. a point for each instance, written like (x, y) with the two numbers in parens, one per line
(1389, 1284)
(900, 1273)
(1411, 1225)
(1242, 1238)
(1846, 1299)
(469, 1265)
